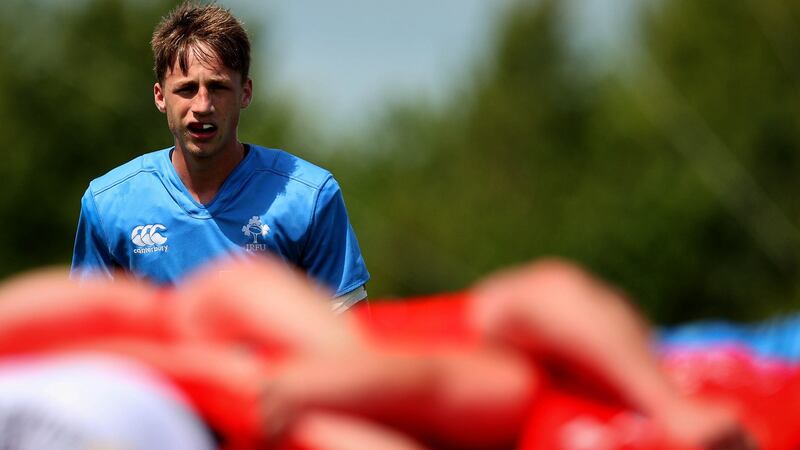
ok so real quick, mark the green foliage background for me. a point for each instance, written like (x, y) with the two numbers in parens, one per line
(673, 174)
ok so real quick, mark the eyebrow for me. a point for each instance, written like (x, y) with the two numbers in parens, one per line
(219, 80)
(209, 80)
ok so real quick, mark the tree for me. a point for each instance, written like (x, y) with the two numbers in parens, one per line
(534, 157)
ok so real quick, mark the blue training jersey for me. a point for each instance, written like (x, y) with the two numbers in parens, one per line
(140, 217)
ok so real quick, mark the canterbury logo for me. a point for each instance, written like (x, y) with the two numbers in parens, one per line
(146, 235)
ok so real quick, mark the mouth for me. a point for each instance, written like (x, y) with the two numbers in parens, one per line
(201, 130)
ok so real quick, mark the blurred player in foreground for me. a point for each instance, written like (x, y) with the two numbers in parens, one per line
(542, 356)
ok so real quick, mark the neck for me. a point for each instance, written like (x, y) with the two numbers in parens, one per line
(203, 176)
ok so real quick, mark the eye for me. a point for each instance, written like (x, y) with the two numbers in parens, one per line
(185, 89)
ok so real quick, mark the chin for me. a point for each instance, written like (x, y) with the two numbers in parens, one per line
(205, 151)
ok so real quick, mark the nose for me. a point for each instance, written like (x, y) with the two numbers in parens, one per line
(202, 102)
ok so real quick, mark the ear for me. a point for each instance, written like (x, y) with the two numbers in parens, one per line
(247, 93)
(158, 96)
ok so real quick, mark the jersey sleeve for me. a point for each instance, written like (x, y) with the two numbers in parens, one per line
(91, 256)
(332, 255)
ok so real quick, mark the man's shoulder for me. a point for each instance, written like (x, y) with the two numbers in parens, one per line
(293, 167)
(149, 162)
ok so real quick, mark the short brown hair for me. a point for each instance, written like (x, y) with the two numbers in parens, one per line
(191, 24)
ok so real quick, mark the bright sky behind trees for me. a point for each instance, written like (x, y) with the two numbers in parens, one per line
(344, 59)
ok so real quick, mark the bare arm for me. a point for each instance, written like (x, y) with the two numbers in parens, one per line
(262, 302)
(442, 397)
(554, 308)
(45, 309)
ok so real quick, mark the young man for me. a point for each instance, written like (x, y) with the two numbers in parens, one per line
(167, 212)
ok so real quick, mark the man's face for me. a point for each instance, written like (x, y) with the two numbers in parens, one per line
(203, 105)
